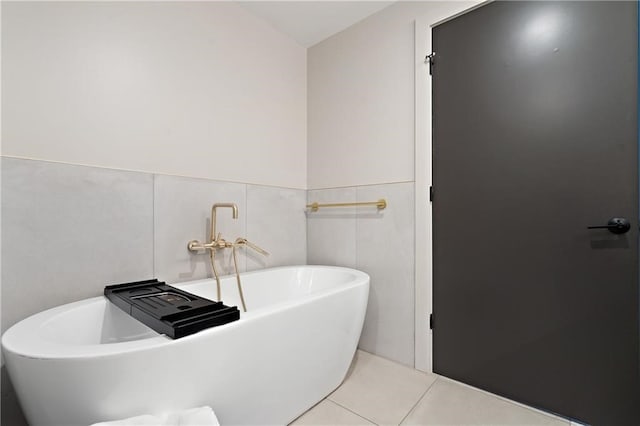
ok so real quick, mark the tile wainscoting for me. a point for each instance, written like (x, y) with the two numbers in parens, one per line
(69, 230)
(380, 243)
(273, 218)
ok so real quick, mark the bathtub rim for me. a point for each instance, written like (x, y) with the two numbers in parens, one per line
(36, 347)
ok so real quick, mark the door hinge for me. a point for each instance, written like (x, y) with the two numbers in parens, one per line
(430, 59)
(431, 193)
(431, 321)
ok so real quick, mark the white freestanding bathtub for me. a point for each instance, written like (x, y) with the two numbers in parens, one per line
(89, 361)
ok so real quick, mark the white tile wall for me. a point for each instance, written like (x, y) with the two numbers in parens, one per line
(380, 243)
(182, 212)
(385, 250)
(276, 222)
(271, 217)
(331, 232)
(73, 229)
(70, 230)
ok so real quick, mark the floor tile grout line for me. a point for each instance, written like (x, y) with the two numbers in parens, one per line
(443, 379)
(418, 401)
(351, 411)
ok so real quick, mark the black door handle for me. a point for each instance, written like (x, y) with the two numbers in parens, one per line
(617, 225)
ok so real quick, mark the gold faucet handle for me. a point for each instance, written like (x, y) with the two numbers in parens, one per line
(245, 242)
(195, 245)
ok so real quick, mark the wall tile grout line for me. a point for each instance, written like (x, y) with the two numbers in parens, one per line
(306, 228)
(147, 172)
(357, 258)
(362, 185)
(246, 223)
(153, 224)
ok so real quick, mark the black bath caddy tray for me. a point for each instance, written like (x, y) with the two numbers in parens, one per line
(167, 309)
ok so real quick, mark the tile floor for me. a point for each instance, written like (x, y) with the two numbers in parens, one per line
(381, 392)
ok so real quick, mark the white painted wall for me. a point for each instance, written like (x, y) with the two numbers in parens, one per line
(361, 98)
(201, 89)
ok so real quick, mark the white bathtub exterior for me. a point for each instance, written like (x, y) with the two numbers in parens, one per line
(88, 361)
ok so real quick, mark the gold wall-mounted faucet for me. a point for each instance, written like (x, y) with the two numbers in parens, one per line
(216, 242)
(215, 239)
(214, 208)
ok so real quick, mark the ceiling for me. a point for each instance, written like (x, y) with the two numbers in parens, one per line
(309, 22)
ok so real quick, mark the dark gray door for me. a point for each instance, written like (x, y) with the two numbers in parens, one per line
(535, 139)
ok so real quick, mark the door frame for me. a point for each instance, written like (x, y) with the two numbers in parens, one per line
(423, 213)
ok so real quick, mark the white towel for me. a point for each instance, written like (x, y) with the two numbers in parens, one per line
(203, 416)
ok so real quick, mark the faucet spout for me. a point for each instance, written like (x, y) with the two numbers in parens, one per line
(216, 242)
(234, 209)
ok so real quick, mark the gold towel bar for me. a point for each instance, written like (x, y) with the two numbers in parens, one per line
(380, 204)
